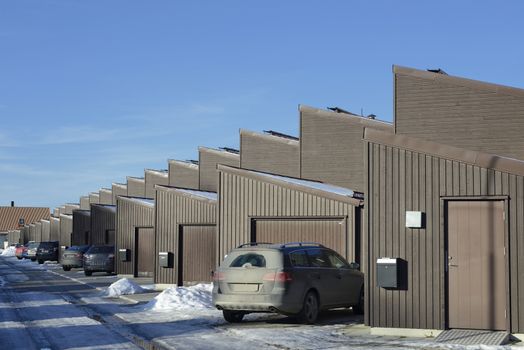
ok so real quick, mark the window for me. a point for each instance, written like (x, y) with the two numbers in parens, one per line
(255, 260)
(318, 258)
(299, 258)
(336, 260)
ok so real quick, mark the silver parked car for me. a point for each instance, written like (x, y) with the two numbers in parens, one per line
(297, 279)
(74, 257)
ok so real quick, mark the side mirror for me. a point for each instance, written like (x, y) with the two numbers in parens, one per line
(354, 266)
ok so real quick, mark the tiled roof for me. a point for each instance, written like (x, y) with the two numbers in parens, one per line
(10, 216)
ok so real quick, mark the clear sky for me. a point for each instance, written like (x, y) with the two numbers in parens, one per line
(94, 90)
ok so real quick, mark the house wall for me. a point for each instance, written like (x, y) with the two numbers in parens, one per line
(118, 190)
(208, 160)
(66, 229)
(105, 196)
(54, 233)
(183, 174)
(84, 203)
(136, 187)
(81, 227)
(46, 230)
(94, 198)
(102, 219)
(153, 178)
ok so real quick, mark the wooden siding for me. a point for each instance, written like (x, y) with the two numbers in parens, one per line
(103, 219)
(172, 210)
(46, 230)
(331, 147)
(459, 112)
(183, 174)
(13, 236)
(144, 251)
(54, 233)
(66, 229)
(130, 215)
(84, 203)
(153, 178)
(399, 180)
(268, 153)
(24, 234)
(81, 227)
(136, 187)
(105, 196)
(94, 198)
(208, 160)
(243, 198)
(38, 232)
(118, 190)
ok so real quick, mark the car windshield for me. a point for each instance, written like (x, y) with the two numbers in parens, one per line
(105, 249)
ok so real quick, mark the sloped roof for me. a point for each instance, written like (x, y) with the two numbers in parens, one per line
(10, 216)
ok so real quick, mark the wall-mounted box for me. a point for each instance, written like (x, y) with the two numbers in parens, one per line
(165, 259)
(388, 273)
(414, 219)
(124, 254)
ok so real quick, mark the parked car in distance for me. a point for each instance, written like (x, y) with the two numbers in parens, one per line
(19, 250)
(99, 258)
(31, 250)
(47, 251)
(298, 279)
(73, 257)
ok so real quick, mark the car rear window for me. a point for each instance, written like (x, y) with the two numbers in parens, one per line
(255, 260)
(48, 244)
(101, 249)
(299, 258)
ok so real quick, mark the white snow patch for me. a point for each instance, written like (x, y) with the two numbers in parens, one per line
(10, 251)
(197, 297)
(123, 286)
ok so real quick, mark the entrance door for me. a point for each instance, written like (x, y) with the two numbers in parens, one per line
(109, 237)
(198, 254)
(477, 269)
(144, 251)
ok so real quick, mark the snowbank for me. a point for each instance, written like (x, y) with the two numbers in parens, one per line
(183, 298)
(10, 251)
(122, 287)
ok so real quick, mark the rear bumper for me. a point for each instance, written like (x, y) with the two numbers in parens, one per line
(257, 303)
(98, 268)
(72, 262)
(47, 256)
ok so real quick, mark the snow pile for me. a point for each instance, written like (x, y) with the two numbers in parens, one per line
(122, 287)
(10, 251)
(183, 298)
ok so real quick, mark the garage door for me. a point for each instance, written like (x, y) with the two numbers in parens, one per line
(476, 261)
(330, 232)
(199, 247)
(144, 251)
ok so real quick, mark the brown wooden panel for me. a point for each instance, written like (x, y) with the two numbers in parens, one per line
(145, 251)
(477, 288)
(199, 247)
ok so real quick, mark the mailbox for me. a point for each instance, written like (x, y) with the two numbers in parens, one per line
(165, 259)
(388, 273)
(123, 254)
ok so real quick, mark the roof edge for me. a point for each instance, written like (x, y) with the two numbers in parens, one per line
(287, 141)
(217, 151)
(178, 192)
(347, 117)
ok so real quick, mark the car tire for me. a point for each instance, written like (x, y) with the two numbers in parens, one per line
(66, 268)
(310, 309)
(19, 257)
(359, 308)
(40, 261)
(88, 273)
(33, 259)
(233, 316)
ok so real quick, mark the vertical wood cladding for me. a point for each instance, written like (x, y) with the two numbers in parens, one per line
(66, 229)
(400, 179)
(244, 197)
(173, 209)
(268, 153)
(199, 248)
(103, 219)
(84, 203)
(136, 187)
(13, 236)
(81, 227)
(105, 196)
(68, 208)
(32, 232)
(208, 160)
(38, 231)
(183, 174)
(94, 198)
(118, 190)
(54, 233)
(24, 234)
(131, 213)
(152, 178)
(459, 112)
(331, 146)
(46, 230)
(145, 251)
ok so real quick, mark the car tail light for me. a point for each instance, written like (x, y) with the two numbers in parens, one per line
(278, 277)
(218, 276)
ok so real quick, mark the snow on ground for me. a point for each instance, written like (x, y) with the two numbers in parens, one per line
(10, 251)
(123, 286)
(196, 297)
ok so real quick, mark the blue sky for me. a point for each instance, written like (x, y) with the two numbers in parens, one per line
(92, 91)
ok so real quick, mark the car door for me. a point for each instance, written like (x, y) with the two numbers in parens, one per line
(326, 278)
(348, 284)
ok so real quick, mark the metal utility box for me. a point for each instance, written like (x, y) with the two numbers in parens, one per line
(388, 273)
(123, 254)
(165, 259)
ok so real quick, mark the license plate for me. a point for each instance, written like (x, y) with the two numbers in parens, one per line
(244, 287)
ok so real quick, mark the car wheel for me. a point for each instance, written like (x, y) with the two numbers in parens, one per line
(19, 257)
(359, 308)
(310, 309)
(33, 259)
(88, 273)
(233, 316)
(40, 261)
(66, 268)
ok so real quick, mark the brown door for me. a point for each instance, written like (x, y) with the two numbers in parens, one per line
(328, 232)
(199, 246)
(144, 251)
(476, 265)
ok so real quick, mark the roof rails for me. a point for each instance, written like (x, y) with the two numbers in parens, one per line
(230, 150)
(279, 134)
(253, 244)
(302, 244)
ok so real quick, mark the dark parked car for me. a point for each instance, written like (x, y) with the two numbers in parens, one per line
(99, 258)
(47, 251)
(31, 251)
(73, 257)
(297, 279)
